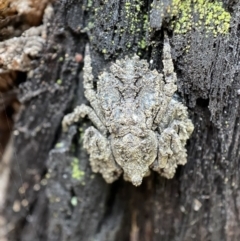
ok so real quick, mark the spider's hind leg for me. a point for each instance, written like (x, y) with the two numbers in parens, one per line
(101, 157)
(174, 129)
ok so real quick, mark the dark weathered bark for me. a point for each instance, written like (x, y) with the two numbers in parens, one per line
(200, 203)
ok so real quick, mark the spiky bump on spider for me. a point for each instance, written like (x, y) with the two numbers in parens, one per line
(140, 125)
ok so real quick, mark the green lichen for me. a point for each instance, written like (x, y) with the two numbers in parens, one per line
(77, 173)
(61, 59)
(143, 43)
(59, 145)
(199, 14)
(74, 201)
(133, 15)
(125, 29)
(90, 3)
(59, 81)
(90, 25)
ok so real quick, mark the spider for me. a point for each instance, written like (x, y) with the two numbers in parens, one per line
(140, 124)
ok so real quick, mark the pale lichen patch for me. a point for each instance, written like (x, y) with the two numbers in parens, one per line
(198, 14)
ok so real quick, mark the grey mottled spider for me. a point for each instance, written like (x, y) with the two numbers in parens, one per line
(140, 125)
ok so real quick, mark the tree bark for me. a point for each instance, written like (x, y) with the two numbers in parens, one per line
(202, 201)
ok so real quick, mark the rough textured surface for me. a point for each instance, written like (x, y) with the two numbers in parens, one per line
(141, 124)
(16, 16)
(200, 203)
(44, 89)
(31, 10)
(18, 54)
(117, 27)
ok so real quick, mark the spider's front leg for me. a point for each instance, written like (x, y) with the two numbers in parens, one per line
(174, 129)
(89, 92)
(170, 79)
(101, 157)
(79, 113)
(170, 76)
(95, 114)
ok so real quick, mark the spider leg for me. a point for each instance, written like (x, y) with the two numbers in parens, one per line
(168, 67)
(174, 130)
(101, 157)
(79, 113)
(170, 78)
(95, 114)
(89, 92)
